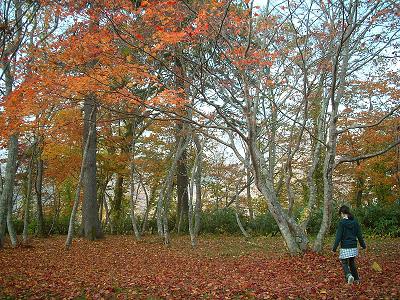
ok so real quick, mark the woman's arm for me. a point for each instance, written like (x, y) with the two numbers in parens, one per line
(360, 237)
(339, 233)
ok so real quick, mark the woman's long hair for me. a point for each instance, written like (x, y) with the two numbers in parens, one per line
(346, 210)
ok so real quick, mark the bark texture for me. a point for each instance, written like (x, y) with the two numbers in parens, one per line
(8, 188)
(90, 217)
(39, 205)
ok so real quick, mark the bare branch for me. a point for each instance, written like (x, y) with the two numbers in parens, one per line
(366, 156)
(360, 126)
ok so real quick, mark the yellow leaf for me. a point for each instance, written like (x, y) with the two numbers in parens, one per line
(376, 267)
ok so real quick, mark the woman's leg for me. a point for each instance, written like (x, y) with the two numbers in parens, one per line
(346, 269)
(353, 268)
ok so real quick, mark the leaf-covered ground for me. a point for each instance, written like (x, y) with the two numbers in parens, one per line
(222, 267)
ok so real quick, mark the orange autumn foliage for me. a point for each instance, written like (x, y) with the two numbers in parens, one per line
(380, 174)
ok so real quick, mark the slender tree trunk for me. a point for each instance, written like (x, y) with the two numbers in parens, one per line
(8, 189)
(182, 184)
(73, 212)
(272, 141)
(56, 206)
(133, 220)
(159, 213)
(39, 206)
(165, 200)
(1, 182)
(360, 189)
(90, 217)
(244, 232)
(101, 207)
(197, 182)
(1, 207)
(288, 184)
(27, 204)
(316, 158)
(133, 198)
(190, 211)
(133, 182)
(145, 220)
(10, 225)
(11, 166)
(248, 194)
(102, 197)
(166, 190)
(149, 201)
(107, 221)
(118, 193)
(398, 157)
(328, 193)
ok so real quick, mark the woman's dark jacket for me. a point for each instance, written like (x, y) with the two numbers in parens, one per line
(347, 234)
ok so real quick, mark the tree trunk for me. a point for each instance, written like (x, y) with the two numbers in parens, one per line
(182, 183)
(288, 185)
(244, 232)
(197, 182)
(166, 190)
(107, 221)
(316, 157)
(192, 234)
(397, 172)
(133, 218)
(182, 180)
(27, 203)
(328, 191)
(133, 196)
(159, 214)
(90, 217)
(295, 238)
(56, 206)
(102, 203)
(101, 206)
(248, 194)
(39, 206)
(135, 177)
(1, 182)
(360, 189)
(11, 166)
(118, 193)
(70, 234)
(8, 189)
(149, 201)
(10, 225)
(335, 98)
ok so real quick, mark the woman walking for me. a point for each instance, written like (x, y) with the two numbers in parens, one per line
(347, 234)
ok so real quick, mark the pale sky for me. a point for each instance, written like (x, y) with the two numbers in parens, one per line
(260, 2)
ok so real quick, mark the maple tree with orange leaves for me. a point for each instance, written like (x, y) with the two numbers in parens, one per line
(141, 116)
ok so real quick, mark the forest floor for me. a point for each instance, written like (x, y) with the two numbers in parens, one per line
(221, 267)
